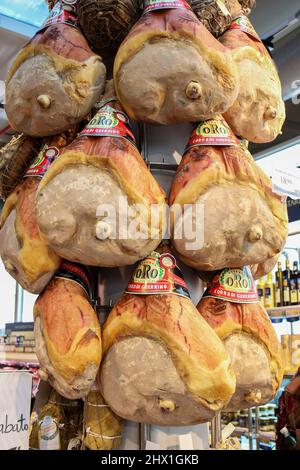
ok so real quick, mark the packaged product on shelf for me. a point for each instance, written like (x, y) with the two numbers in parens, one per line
(279, 286)
(56, 425)
(106, 23)
(102, 428)
(174, 368)
(286, 284)
(15, 158)
(117, 224)
(170, 68)
(25, 253)
(268, 292)
(291, 348)
(295, 299)
(218, 176)
(260, 290)
(67, 333)
(55, 79)
(230, 305)
(258, 114)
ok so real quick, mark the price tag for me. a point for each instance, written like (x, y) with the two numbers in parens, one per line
(287, 183)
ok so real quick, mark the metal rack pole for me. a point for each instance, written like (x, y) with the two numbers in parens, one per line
(250, 427)
(144, 435)
(257, 427)
(216, 431)
(19, 302)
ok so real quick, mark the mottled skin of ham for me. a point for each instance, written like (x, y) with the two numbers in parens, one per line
(37, 260)
(65, 41)
(68, 337)
(159, 94)
(249, 322)
(206, 170)
(55, 74)
(230, 161)
(260, 90)
(175, 21)
(122, 173)
(174, 322)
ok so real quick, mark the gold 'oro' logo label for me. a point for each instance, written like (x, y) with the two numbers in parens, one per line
(213, 128)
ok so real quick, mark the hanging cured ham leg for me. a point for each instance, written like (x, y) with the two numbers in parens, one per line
(191, 76)
(99, 204)
(55, 79)
(15, 158)
(163, 364)
(231, 307)
(67, 333)
(24, 251)
(258, 114)
(236, 219)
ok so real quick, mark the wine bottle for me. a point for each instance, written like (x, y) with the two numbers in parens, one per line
(278, 288)
(294, 284)
(286, 283)
(260, 290)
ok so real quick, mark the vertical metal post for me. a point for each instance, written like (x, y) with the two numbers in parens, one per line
(257, 427)
(144, 435)
(216, 431)
(144, 429)
(19, 302)
(250, 427)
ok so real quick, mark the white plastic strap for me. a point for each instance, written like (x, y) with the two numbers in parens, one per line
(110, 438)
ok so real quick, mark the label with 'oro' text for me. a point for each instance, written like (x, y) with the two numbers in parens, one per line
(42, 162)
(235, 285)
(244, 24)
(152, 5)
(109, 122)
(62, 13)
(158, 274)
(212, 132)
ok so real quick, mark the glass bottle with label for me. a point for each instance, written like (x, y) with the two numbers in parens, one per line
(260, 289)
(278, 286)
(294, 284)
(269, 298)
(298, 286)
(286, 283)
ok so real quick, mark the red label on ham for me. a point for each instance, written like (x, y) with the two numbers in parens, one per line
(109, 122)
(244, 24)
(212, 132)
(152, 5)
(158, 274)
(233, 285)
(43, 161)
(58, 15)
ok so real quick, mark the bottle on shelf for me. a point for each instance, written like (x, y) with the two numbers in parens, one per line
(260, 290)
(295, 288)
(288, 437)
(286, 283)
(279, 286)
(269, 297)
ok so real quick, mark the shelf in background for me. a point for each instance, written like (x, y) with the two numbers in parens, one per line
(10, 358)
(267, 436)
(291, 313)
